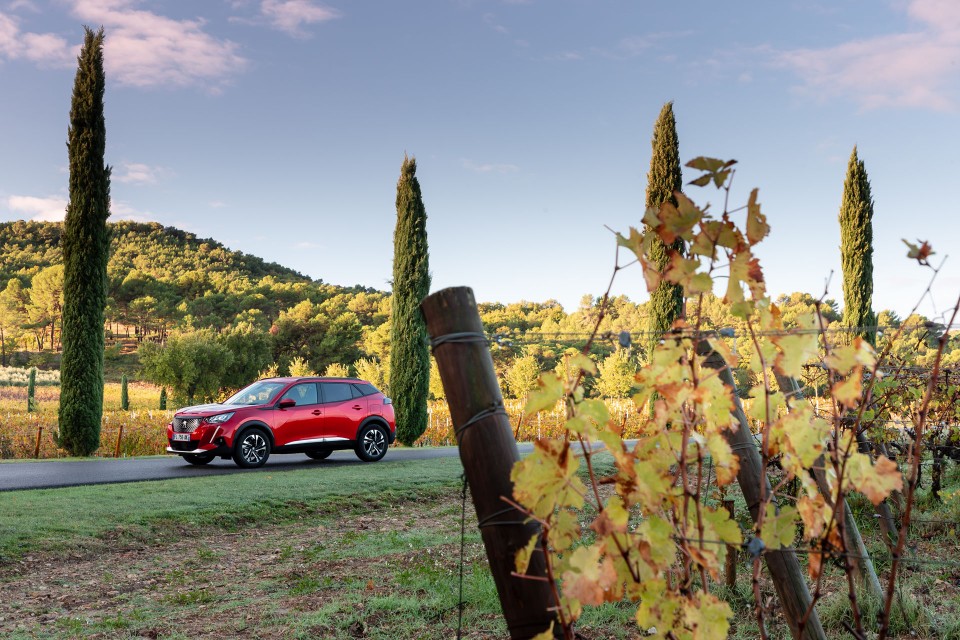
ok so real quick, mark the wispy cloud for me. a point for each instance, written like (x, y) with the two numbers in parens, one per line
(629, 47)
(49, 209)
(123, 211)
(44, 49)
(489, 167)
(915, 68)
(142, 48)
(145, 49)
(139, 174)
(290, 16)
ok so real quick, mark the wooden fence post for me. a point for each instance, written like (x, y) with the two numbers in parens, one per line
(488, 452)
(730, 570)
(784, 568)
(36, 449)
(116, 451)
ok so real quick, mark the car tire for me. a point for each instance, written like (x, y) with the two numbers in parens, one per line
(319, 455)
(199, 460)
(251, 449)
(372, 443)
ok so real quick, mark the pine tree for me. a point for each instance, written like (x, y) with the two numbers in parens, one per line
(666, 301)
(86, 243)
(124, 395)
(856, 250)
(409, 355)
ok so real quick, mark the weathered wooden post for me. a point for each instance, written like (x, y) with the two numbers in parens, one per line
(784, 568)
(488, 452)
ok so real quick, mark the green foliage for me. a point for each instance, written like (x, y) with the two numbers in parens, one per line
(193, 365)
(86, 245)
(32, 390)
(163, 399)
(124, 394)
(337, 370)
(617, 373)
(856, 249)
(665, 178)
(372, 371)
(300, 368)
(521, 377)
(409, 355)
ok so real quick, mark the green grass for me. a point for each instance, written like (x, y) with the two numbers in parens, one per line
(59, 519)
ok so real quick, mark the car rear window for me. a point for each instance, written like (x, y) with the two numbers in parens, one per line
(365, 388)
(336, 391)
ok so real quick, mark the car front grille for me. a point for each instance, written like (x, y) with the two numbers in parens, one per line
(185, 425)
(184, 446)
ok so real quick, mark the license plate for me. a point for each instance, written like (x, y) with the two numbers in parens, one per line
(181, 437)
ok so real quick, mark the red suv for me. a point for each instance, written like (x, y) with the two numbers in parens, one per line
(314, 416)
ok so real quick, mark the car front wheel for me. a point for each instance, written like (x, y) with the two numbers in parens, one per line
(199, 460)
(252, 449)
(371, 443)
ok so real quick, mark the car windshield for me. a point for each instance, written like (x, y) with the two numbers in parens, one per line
(261, 392)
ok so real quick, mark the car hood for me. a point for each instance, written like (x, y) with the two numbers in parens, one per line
(207, 409)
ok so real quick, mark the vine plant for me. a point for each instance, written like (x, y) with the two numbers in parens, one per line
(656, 535)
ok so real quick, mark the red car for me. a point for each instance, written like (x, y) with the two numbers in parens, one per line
(315, 416)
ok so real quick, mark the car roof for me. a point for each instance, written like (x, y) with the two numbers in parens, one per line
(318, 379)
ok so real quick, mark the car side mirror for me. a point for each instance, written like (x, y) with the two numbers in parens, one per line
(286, 403)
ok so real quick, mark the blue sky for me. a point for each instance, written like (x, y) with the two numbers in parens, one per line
(278, 128)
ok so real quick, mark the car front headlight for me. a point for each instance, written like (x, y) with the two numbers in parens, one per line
(219, 419)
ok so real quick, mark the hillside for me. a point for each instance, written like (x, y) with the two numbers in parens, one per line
(163, 253)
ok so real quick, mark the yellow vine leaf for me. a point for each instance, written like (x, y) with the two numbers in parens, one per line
(779, 529)
(766, 406)
(548, 392)
(707, 617)
(564, 530)
(844, 358)
(659, 609)
(660, 550)
(612, 519)
(757, 227)
(796, 349)
(876, 481)
(801, 434)
(522, 559)
(546, 479)
(582, 581)
(815, 514)
(847, 392)
(725, 463)
(545, 635)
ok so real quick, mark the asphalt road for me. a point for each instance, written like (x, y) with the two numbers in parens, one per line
(16, 476)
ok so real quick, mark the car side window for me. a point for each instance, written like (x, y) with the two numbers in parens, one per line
(336, 391)
(305, 393)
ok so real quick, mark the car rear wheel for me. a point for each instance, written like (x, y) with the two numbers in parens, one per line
(318, 455)
(251, 449)
(199, 460)
(371, 443)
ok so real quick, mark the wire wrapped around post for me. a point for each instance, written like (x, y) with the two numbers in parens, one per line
(488, 452)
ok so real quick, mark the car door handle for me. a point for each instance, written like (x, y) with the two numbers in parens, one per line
(357, 407)
(316, 412)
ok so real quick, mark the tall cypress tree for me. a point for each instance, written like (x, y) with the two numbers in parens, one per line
(409, 355)
(666, 301)
(86, 244)
(856, 250)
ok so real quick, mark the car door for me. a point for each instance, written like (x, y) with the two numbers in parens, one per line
(342, 411)
(301, 422)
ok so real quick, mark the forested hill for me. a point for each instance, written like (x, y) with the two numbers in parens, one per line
(162, 253)
(159, 278)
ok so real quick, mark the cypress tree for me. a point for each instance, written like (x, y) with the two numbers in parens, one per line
(163, 399)
(124, 396)
(86, 243)
(409, 355)
(31, 390)
(666, 301)
(856, 250)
